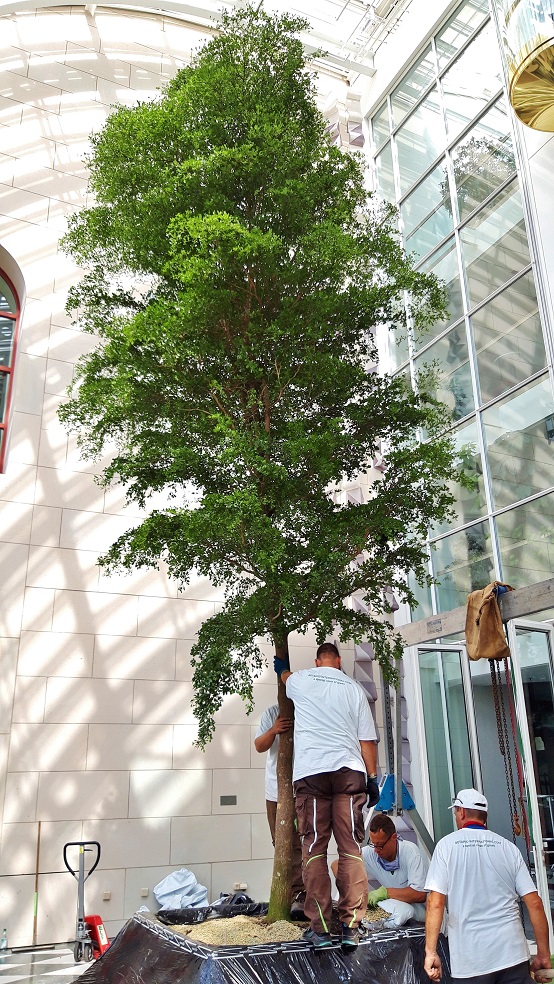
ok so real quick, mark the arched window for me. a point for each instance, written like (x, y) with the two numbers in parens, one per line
(9, 320)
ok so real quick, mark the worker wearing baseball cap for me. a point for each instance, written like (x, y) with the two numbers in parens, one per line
(482, 876)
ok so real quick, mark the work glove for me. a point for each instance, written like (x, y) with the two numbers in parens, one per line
(373, 793)
(280, 665)
(378, 895)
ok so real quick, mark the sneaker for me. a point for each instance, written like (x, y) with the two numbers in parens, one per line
(319, 940)
(350, 937)
(297, 906)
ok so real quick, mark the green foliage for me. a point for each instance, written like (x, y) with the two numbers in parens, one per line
(235, 274)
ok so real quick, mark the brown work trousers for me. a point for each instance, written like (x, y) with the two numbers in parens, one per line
(297, 885)
(332, 803)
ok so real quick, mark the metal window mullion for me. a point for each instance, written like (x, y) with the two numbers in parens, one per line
(446, 723)
(467, 689)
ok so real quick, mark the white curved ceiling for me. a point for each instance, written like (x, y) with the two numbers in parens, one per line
(346, 30)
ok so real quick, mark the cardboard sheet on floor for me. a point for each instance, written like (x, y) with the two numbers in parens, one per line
(145, 952)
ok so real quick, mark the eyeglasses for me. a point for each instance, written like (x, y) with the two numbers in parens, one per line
(379, 847)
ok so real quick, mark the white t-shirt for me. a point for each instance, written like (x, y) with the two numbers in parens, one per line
(267, 721)
(483, 875)
(331, 717)
(412, 872)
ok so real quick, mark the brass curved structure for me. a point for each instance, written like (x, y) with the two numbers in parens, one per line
(528, 29)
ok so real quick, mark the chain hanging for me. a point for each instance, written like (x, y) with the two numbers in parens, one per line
(504, 746)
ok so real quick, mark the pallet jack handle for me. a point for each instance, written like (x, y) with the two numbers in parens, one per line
(83, 846)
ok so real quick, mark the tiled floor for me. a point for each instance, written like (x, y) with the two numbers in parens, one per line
(55, 965)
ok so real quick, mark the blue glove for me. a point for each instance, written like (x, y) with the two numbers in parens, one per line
(372, 790)
(280, 665)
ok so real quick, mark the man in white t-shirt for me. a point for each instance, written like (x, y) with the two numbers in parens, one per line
(482, 876)
(334, 747)
(267, 740)
(399, 868)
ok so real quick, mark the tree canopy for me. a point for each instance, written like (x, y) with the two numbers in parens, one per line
(236, 271)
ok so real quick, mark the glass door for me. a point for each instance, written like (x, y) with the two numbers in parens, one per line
(532, 650)
(447, 733)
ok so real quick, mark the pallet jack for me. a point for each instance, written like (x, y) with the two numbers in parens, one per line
(91, 938)
(395, 798)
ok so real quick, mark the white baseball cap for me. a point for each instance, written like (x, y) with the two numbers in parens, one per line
(470, 799)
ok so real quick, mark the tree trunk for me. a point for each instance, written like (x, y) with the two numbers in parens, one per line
(279, 900)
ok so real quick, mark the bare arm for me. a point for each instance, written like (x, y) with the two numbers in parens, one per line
(369, 755)
(433, 921)
(285, 675)
(265, 741)
(537, 916)
(407, 894)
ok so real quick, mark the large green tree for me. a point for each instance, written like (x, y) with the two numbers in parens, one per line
(236, 273)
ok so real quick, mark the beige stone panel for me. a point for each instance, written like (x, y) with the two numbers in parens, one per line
(45, 526)
(68, 344)
(35, 328)
(182, 40)
(79, 611)
(69, 157)
(162, 702)
(30, 375)
(148, 877)
(20, 803)
(256, 874)
(128, 843)
(59, 376)
(47, 31)
(129, 746)
(233, 710)
(65, 77)
(115, 92)
(27, 91)
(18, 849)
(13, 564)
(200, 588)
(16, 908)
(53, 836)
(7, 168)
(90, 531)
(59, 213)
(55, 654)
(16, 521)
(52, 452)
(38, 608)
(24, 438)
(230, 746)
(171, 65)
(67, 488)
(4, 748)
(17, 483)
(175, 619)
(261, 837)
(8, 670)
(17, 205)
(246, 784)
(50, 408)
(97, 64)
(12, 59)
(76, 462)
(175, 793)
(58, 903)
(82, 796)
(57, 568)
(203, 839)
(153, 583)
(147, 77)
(28, 705)
(10, 114)
(73, 124)
(129, 35)
(183, 668)
(134, 658)
(47, 747)
(100, 701)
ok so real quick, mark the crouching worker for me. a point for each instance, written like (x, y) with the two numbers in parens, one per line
(400, 869)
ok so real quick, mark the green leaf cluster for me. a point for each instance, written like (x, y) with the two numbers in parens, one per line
(235, 273)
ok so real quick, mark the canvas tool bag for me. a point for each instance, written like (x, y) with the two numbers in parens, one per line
(485, 637)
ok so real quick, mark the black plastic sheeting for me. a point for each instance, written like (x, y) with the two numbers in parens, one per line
(145, 952)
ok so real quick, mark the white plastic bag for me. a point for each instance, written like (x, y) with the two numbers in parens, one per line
(180, 890)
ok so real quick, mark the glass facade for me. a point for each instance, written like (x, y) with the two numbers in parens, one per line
(444, 155)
